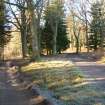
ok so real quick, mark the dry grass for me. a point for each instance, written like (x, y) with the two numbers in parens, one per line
(102, 60)
(53, 73)
(64, 80)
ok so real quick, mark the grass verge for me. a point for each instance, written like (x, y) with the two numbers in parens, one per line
(65, 80)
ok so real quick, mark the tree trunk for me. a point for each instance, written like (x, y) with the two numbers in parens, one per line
(77, 46)
(24, 34)
(102, 39)
(39, 36)
(24, 43)
(55, 39)
(87, 42)
(35, 49)
(87, 39)
(78, 41)
(2, 53)
(33, 26)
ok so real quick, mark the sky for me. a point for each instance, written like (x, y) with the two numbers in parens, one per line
(69, 3)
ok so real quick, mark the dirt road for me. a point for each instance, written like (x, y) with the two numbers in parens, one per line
(10, 94)
(94, 72)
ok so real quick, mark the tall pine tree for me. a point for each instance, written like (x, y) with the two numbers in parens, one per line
(97, 27)
(54, 13)
(62, 38)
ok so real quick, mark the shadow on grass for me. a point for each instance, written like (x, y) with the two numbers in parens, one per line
(66, 81)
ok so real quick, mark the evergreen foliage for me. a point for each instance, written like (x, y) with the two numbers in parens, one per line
(47, 36)
(97, 26)
(53, 13)
(62, 39)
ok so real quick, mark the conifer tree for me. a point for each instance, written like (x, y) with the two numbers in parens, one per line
(55, 28)
(97, 27)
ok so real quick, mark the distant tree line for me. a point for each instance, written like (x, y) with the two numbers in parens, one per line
(41, 24)
(44, 25)
(86, 24)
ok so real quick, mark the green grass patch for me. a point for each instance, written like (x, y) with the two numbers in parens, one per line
(66, 81)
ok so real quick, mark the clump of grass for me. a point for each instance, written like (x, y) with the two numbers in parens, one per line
(102, 60)
(54, 74)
